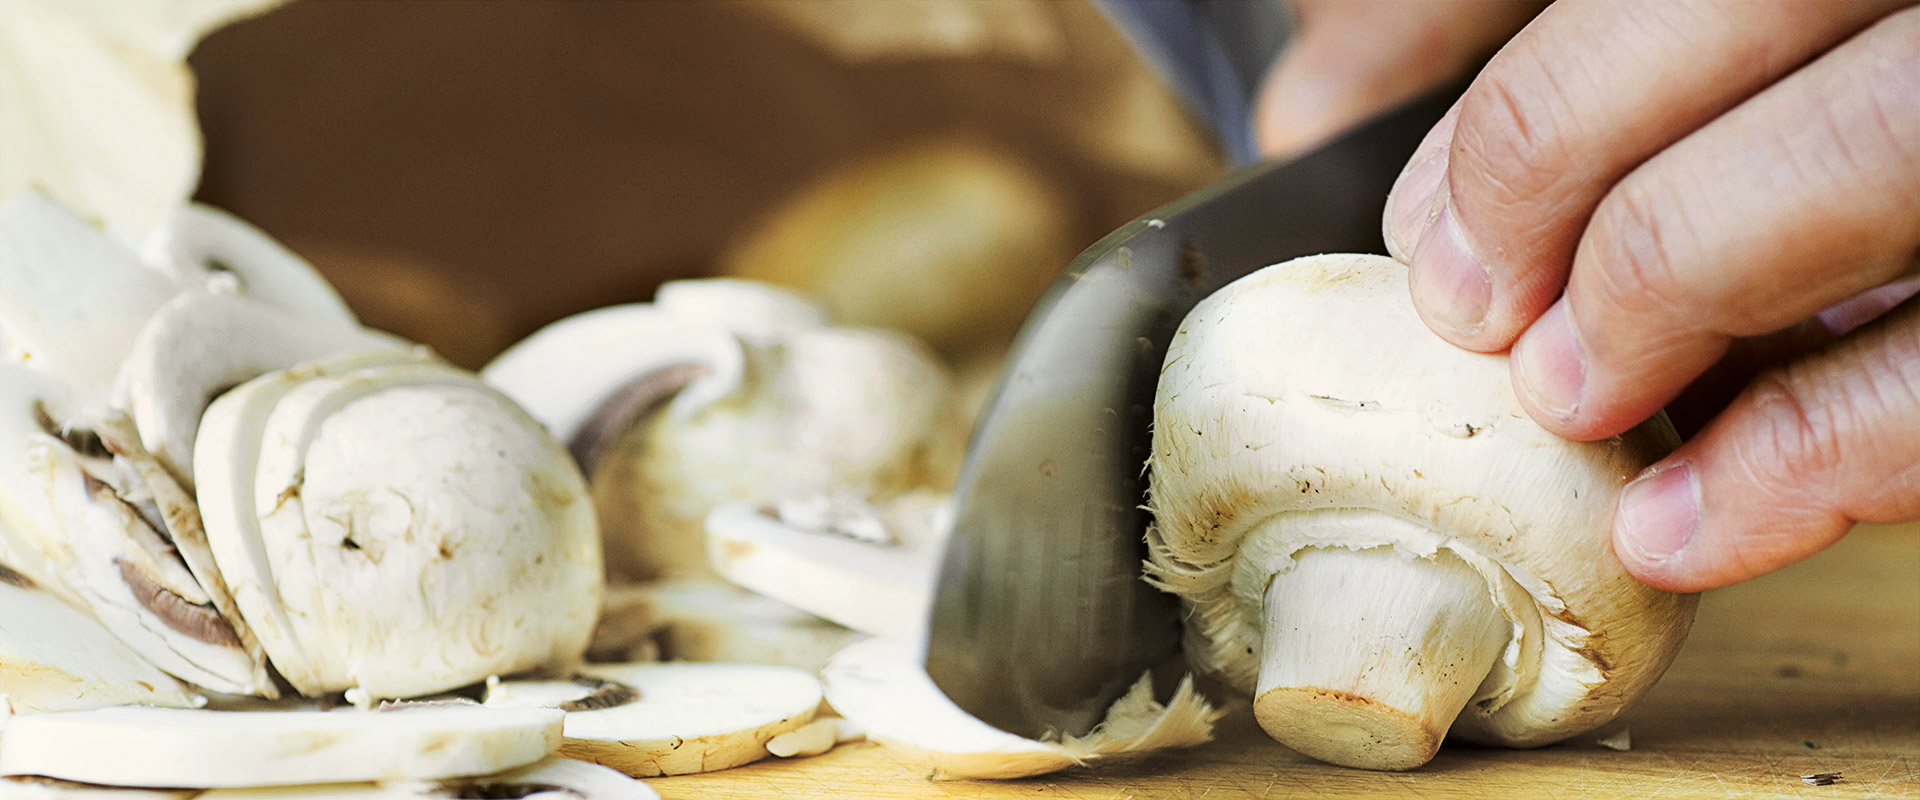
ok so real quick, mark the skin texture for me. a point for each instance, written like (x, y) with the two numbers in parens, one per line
(1708, 206)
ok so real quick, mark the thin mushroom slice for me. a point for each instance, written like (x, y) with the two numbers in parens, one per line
(552, 778)
(396, 528)
(687, 717)
(1376, 542)
(870, 569)
(881, 686)
(71, 298)
(171, 748)
(199, 345)
(204, 248)
(55, 658)
(706, 619)
(32, 788)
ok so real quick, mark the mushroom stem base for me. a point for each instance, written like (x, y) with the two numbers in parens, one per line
(1370, 654)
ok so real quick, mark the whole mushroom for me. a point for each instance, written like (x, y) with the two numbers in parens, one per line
(1376, 542)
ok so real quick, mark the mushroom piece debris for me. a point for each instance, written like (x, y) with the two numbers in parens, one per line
(881, 686)
(188, 749)
(1375, 541)
(679, 718)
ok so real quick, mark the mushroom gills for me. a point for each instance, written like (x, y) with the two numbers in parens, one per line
(173, 748)
(55, 658)
(1370, 654)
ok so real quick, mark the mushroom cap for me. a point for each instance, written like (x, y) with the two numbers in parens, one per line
(1307, 405)
(393, 525)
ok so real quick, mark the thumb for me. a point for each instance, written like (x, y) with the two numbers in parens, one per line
(1353, 58)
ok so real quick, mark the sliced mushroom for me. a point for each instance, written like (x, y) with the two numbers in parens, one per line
(552, 778)
(685, 718)
(73, 532)
(870, 569)
(199, 345)
(55, 658)
(1373, 538)
(71, 298)
(391, 525)
(30, 788)
(778, 406)
(882, 687)
(705, 619)
(171, 748)
(203, 248)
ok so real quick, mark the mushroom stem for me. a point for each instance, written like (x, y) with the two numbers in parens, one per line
(1370, 654)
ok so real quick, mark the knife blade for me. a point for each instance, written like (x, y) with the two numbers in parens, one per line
(1041, 618)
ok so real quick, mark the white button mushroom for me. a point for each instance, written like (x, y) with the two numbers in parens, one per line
(1375, 540)
(202, 247)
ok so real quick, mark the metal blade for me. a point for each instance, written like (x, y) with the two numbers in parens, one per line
(1041, 618)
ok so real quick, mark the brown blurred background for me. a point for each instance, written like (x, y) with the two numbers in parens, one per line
(466, 171)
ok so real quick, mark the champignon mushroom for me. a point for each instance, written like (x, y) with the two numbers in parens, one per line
(881, 686)
(1374, 539)
(54, 658)
(173, 748)
(678, 718)
(392, 525)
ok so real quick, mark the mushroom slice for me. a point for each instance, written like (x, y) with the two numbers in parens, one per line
(55, 658)
(392, 525)
(552, 778)
(204, 248)
(702, 619)
(867, 568)
(881, 686)
(687, 718)
(71, 298)
(1376, 541)
(171, 748)
(199, 345)
(32, 788)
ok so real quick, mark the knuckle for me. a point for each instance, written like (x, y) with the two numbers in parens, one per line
(1631, 246)
(1510, 134)
(1796, 441)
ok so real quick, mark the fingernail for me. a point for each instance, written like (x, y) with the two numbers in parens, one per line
(1410, 205)
(1550, 365)
(1450, 286)
(1659, 512)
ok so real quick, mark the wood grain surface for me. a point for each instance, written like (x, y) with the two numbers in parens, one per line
(1812, 669)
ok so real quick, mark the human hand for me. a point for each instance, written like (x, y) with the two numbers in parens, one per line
(1632, 196)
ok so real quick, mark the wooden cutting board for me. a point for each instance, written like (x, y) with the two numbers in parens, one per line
(1812, 669)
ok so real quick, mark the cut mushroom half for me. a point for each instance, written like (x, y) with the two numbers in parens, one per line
(870, 569)
(172, 748)
(683, 718)
(1375, 540)
(320, 483)
(881, 686)
(199, 345)
(203, 248)
(72, 298)
(55, 658)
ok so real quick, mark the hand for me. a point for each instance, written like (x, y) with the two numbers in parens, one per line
(1632, 196)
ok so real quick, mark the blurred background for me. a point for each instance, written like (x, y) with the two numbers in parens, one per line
(466, 172)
